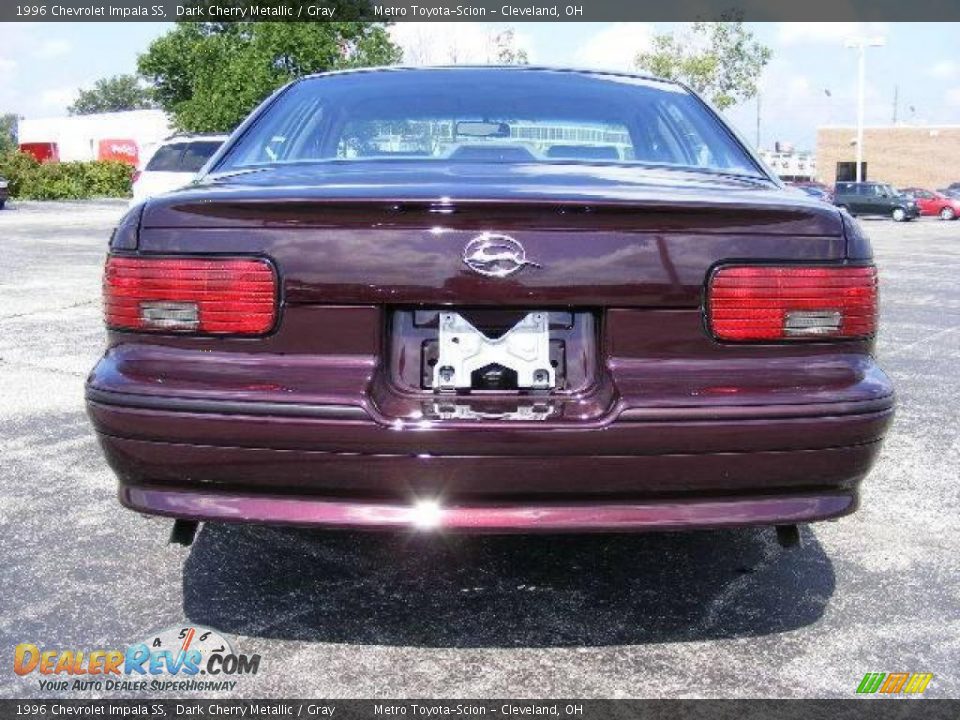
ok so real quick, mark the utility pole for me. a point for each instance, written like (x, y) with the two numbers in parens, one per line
(861, 44)
(758, 122)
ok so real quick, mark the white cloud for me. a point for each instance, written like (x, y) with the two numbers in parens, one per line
(7, 65)
(953, 97)
(944, 69)
(831, 33)
(614, 47)
(59, 97)
(788, 93)
(793, 105)
(439, 43)
(781, 80)
(49, 49)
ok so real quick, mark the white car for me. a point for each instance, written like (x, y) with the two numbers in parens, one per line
(174, 164)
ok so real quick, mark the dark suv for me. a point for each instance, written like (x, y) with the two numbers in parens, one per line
(874, 198)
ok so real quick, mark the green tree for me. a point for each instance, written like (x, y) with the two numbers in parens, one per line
(112, 94)
(720, 60)
(8, 132)
(209, 76)
(507, 52)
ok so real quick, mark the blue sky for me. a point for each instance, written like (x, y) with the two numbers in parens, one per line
(43, 64)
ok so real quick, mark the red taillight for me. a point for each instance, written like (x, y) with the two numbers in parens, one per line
(197, 295)
(750, 303)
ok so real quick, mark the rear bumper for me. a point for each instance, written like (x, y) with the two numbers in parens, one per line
(490, 518)
(587, 480)
(656, 444)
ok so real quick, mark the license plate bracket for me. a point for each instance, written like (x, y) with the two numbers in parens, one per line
(524, 349)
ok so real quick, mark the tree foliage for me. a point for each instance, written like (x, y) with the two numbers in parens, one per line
(720, 60)
(112, 94)
(32, 180)
(209, 76)
(507, 51)
(8, 132)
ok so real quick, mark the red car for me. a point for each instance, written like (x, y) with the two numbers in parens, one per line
(489, 300)
(931, 202)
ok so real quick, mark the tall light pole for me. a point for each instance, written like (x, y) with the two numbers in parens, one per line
(758, 122)
(861, 44)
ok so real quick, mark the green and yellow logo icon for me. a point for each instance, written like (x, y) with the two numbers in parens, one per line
(893, 683)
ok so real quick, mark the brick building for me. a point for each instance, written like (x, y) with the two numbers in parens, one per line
(927, 156)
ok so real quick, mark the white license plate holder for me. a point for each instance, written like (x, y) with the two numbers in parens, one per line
(524, 349)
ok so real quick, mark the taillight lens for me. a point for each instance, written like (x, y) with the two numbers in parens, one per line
(228, 296)
(755, 303)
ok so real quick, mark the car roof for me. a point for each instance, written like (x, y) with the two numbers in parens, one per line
(505, 68)
(194, 137)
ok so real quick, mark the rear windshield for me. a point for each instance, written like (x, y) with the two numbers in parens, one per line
(166, 158)
(497, 116)
(196, 155)
(184, 157)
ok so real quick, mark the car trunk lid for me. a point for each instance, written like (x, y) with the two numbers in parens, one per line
(594, 237)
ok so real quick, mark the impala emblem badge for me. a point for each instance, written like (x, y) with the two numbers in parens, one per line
(495, 255)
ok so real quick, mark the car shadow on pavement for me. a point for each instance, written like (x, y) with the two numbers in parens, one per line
(502, 591)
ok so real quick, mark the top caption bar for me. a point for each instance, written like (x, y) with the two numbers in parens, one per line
(477, 11)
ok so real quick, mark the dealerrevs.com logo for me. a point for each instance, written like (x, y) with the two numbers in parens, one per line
(175, 660)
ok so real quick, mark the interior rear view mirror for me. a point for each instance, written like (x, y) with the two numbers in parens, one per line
(477, 128)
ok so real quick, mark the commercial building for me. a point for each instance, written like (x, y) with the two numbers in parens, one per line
(790, 164)
(126, 136)
(905, 156)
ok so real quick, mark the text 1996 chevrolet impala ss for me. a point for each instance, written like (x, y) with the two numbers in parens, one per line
(489, 299)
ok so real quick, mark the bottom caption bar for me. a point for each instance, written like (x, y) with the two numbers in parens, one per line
(588, 709)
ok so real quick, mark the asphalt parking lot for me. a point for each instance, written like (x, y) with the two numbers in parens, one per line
(713, 614)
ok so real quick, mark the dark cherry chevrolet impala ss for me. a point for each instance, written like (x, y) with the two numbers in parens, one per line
(491, 300)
